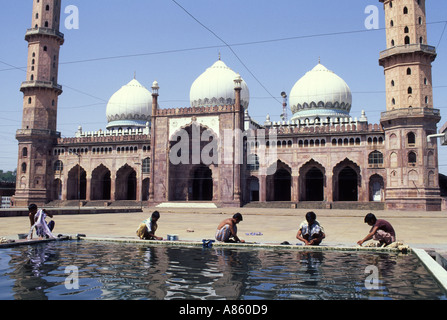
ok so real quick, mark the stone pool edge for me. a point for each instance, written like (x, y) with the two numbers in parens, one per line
(242, 245)
(192, 243)
(435, 269)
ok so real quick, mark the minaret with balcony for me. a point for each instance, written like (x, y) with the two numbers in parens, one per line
(40, 91)
(412, 174)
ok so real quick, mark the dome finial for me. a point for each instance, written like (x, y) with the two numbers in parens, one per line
(319, 60)
(219, 56)
(135, 75)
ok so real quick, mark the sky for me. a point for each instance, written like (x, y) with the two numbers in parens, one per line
(271, 44)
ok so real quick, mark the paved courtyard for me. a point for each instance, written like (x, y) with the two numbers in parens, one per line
(426, 230)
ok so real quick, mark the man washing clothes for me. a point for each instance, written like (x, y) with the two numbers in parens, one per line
(381, 230)
(227, 229)
(310, 230)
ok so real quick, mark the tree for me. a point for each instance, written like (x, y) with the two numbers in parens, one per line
(9, 176)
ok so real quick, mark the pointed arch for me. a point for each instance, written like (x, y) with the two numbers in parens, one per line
(346, 181)
(100, 183)
(145, 190)
(193, 158)
(279, 184)
(187, 127)
(376, 188)
(77, 184)
(57, 189)
(253, 188)
(312, 181)
(126, 183)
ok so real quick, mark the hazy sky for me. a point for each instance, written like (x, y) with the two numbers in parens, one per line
(276, 43)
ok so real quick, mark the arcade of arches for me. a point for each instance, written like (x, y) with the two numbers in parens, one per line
(101, 184)
(200, 183)
(312, 182)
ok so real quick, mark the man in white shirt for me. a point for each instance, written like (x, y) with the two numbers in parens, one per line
(310, 231)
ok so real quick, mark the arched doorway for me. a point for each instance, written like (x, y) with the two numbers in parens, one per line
(376, 188)
(77, 184)
(201, 184)
(126, 184)
(132, 186)
(57, 189)
(193, 152)
(145, 190)
(100, 184)
(253, 189)
(314, 185)
(312, 182)
(282, 183)
(347, 185)
(279, 184)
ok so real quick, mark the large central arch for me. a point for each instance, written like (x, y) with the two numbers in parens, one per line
(193, 157)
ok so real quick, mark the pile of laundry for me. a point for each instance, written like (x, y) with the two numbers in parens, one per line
(398, 245)
(4, 240)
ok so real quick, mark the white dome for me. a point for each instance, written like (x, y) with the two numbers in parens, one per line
(320, 93)
(130, 106)
(215, 87)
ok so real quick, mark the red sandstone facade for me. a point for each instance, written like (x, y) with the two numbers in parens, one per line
(319, 164)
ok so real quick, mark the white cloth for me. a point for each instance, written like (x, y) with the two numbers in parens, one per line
(313, 231)
(151, 227)
(41, 226)
(224, 234)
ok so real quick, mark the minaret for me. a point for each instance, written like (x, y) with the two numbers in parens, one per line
(155, 88)
(407, 60)
(40, 94)
(412, 174)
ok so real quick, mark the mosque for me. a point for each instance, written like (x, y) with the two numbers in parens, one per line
(321, 158)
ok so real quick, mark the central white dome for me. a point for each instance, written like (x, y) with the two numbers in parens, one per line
(215, 87)
(320, 94)
(129, 107)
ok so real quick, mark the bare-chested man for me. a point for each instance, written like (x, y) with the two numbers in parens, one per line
(227, 230)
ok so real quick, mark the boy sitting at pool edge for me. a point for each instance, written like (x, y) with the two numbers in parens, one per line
(146, 229)
(310, 231)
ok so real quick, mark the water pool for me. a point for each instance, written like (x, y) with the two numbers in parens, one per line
(106, 270)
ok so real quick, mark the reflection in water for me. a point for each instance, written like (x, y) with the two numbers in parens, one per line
(134, 271)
